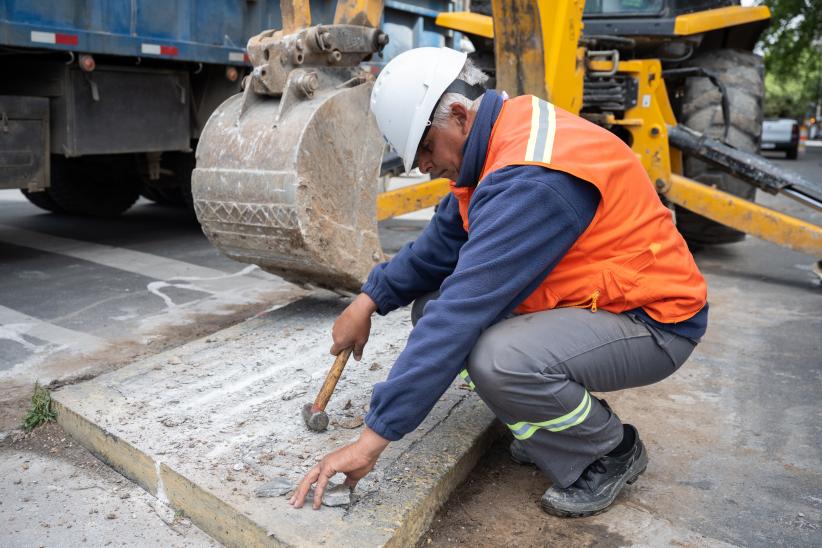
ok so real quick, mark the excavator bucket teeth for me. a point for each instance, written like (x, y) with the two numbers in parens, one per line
(289, 182)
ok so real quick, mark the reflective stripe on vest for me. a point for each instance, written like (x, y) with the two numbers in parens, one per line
(467, 379)
(524, 430)
(543, 130)
(631, 255)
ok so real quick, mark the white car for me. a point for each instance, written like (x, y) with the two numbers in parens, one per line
(781, 134)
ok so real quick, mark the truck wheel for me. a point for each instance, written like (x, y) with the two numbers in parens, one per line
(150, 193)
(174, 185)
(173, 196)
(97, 186)
(42, 200)
(742, 73)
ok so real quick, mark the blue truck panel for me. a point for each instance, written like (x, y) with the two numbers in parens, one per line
(206, 31)
(213, 31)
(125, 110)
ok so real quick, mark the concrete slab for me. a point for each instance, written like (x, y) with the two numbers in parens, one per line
(205, 425)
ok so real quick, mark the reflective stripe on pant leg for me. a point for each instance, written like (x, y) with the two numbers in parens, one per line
(466, 378)
(524, 430)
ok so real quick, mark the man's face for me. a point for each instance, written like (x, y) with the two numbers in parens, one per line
(440, 150)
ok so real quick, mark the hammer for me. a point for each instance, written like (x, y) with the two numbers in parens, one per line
(314, 414)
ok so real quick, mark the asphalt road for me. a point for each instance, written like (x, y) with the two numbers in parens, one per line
(88, 281)
(80, 295)
(78, 286)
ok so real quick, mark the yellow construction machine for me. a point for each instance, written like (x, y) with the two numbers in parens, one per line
(287, 171)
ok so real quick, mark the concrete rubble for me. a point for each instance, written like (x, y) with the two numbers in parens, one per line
(274, 488)
(214, 430)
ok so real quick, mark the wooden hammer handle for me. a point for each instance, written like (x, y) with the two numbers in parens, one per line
(331, 380)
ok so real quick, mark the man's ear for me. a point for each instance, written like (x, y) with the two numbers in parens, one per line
(460, 114)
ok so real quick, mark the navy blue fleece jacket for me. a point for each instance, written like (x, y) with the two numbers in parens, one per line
(482, 278)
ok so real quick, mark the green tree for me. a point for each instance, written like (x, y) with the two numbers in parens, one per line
(792, 48)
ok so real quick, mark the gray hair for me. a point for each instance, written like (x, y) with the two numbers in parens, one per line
(470, 74)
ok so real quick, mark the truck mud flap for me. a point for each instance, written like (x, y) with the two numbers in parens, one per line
(24, 142)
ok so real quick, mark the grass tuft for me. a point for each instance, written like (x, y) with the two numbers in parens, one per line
(40, 410)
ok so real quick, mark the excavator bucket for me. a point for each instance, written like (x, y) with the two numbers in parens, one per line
(287, 171)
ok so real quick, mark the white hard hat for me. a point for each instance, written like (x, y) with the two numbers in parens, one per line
(406, 92)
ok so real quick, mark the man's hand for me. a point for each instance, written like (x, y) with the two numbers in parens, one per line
(355, 461)
(353, 326)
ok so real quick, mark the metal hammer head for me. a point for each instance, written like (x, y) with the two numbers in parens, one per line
(315, 419)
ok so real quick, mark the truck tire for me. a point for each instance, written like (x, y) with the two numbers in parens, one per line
(95, 186)
(174, 185)
(742, 73)
(177, 195)
(150, 193)
(42, 200)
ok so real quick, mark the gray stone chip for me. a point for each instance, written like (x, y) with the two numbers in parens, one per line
(274, 488)
(335, 495)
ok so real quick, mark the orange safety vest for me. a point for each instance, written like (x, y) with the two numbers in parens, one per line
(631, 255)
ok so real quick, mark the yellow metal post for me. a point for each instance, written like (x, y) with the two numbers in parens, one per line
(411, 198)
(536, 47)
(365, 13)
(518, 47)
(751, 218)
(564, 59)
(296, 15)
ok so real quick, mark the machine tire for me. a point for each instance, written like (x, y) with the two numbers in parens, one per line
(481, 6)
(94, 186)
(742, 73)
(42, 200)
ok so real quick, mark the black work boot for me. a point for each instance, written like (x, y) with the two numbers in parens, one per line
(600, 483)
(518, 453)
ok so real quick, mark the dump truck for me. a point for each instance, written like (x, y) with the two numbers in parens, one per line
(103, 101)
(286, 170)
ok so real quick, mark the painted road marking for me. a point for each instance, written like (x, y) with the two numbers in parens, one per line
(14, 324)
(138, 262)
(13, 195)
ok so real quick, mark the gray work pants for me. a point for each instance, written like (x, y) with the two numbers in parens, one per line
(535, 372)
